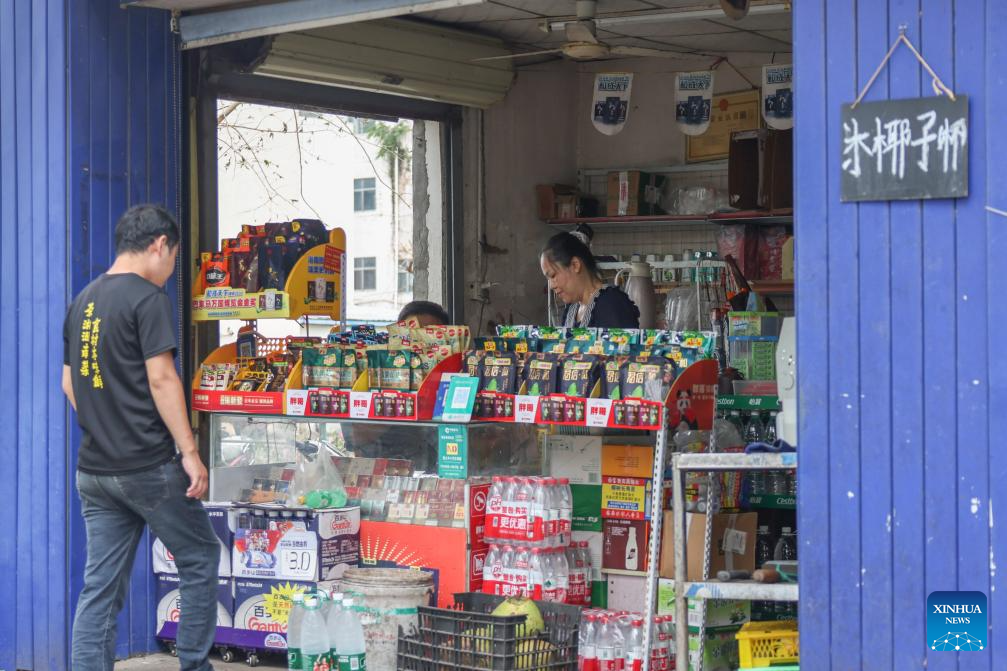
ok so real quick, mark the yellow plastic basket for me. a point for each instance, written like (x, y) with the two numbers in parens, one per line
(768, 643)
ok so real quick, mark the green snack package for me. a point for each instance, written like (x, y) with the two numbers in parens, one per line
(549, 333)
(618, 341)
(396, 374)
(579, 373)
(647, 378)
(541, 372)
(473, 362)
(499, 373)
(509, 331)
(611, 385)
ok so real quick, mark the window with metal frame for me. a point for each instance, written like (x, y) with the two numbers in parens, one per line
(365, 194)
(405, 276)
(365, 273)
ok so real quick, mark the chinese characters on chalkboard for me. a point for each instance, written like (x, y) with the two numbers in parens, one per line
(905, 149)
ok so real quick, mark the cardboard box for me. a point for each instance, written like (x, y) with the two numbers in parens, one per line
(264, 605)
(634, 193)
(732, 544)
(719, 650)
(586, 507)
(624, 545)
(223, 519)
(320, 547)
(720, 613)
(625, 498)
(759, 169)
(556, 201)
(575, 457)
(627, 461)
(169, 604)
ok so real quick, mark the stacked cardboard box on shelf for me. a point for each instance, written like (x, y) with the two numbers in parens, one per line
(626, 496)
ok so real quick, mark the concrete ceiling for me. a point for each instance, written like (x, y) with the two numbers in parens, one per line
(519, 23)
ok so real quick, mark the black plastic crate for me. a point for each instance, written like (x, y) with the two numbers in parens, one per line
(468, 638)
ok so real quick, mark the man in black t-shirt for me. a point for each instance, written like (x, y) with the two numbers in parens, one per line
(138, 462)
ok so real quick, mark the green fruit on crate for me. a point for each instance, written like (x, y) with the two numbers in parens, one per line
(517, 605)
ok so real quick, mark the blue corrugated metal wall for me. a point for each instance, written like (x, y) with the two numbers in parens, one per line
(123, 130)
(33, 287)
(88, 126)
(902, 395)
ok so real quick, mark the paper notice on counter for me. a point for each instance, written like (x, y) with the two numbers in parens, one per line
(610, 104)
(693, 101)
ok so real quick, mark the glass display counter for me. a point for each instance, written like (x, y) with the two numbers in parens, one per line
(250, 455)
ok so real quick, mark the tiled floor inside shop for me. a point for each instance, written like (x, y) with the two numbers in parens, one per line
(165, 662)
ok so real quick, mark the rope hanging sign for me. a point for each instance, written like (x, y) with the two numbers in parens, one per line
(905, 149)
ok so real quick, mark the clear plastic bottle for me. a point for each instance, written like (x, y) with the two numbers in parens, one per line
(506, 580)
(734, 418)
(757, 483)
(607, 649)
(314, 639)
(786, 547)
(540, 510)
(769, 428)
(585, 553)
(519, 574)
(668, 627)
(494, 509)
(491, 570)
(575, 588)
(294, 626)
(541, 581)
(523, 519)
(776, 483)
(349, 648)
(753, 429)
(659, 646)
(587, 657)
(792, 484)
(565, 511)
(634, 652)
(562, 567)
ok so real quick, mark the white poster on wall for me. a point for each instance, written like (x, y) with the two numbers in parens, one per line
(778, 96)
(610, 105)
(693, 101)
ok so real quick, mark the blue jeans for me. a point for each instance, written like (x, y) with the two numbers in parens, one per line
(115, 509)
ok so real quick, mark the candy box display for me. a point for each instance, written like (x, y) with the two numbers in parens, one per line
(264, 605)
(308, 545)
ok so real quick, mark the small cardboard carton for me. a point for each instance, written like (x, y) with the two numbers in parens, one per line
(627, 461)
(223, 519)
(575, 457)
(732, 544)
(720, 613)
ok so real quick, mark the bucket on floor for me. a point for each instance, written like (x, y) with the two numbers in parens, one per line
(386, 599)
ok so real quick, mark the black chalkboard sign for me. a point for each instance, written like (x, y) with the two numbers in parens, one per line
(905, 149)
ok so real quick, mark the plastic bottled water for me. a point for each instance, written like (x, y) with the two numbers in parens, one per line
(562, 567)
(492, 569)
(294, 626)
(634, 647)
(314, 638)
(349, 648)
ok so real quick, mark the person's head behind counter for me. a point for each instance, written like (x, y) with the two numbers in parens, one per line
(427, 313)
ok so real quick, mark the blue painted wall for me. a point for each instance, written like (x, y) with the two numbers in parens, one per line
(33, 289)
(88, 126)
(902, 393)
(123, 127)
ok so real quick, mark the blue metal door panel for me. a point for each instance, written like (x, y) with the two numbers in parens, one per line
(901, 389)
(124, 120)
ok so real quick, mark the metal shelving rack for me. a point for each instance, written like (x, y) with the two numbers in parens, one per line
(709, 589)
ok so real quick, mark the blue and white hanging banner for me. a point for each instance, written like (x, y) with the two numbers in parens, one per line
(778, 96)
(693, 101)
(610, 105)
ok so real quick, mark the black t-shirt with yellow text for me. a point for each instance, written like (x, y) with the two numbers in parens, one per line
(113, 326)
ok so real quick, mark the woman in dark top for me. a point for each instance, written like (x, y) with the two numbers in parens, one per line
(570, 267)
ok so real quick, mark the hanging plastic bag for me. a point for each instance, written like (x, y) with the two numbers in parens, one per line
(316, 483)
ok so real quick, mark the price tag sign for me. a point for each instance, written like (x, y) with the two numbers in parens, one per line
(460, 399)
(598, 411)
(525, 409)
(360, 404)
(298, 563)
(297, 402)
